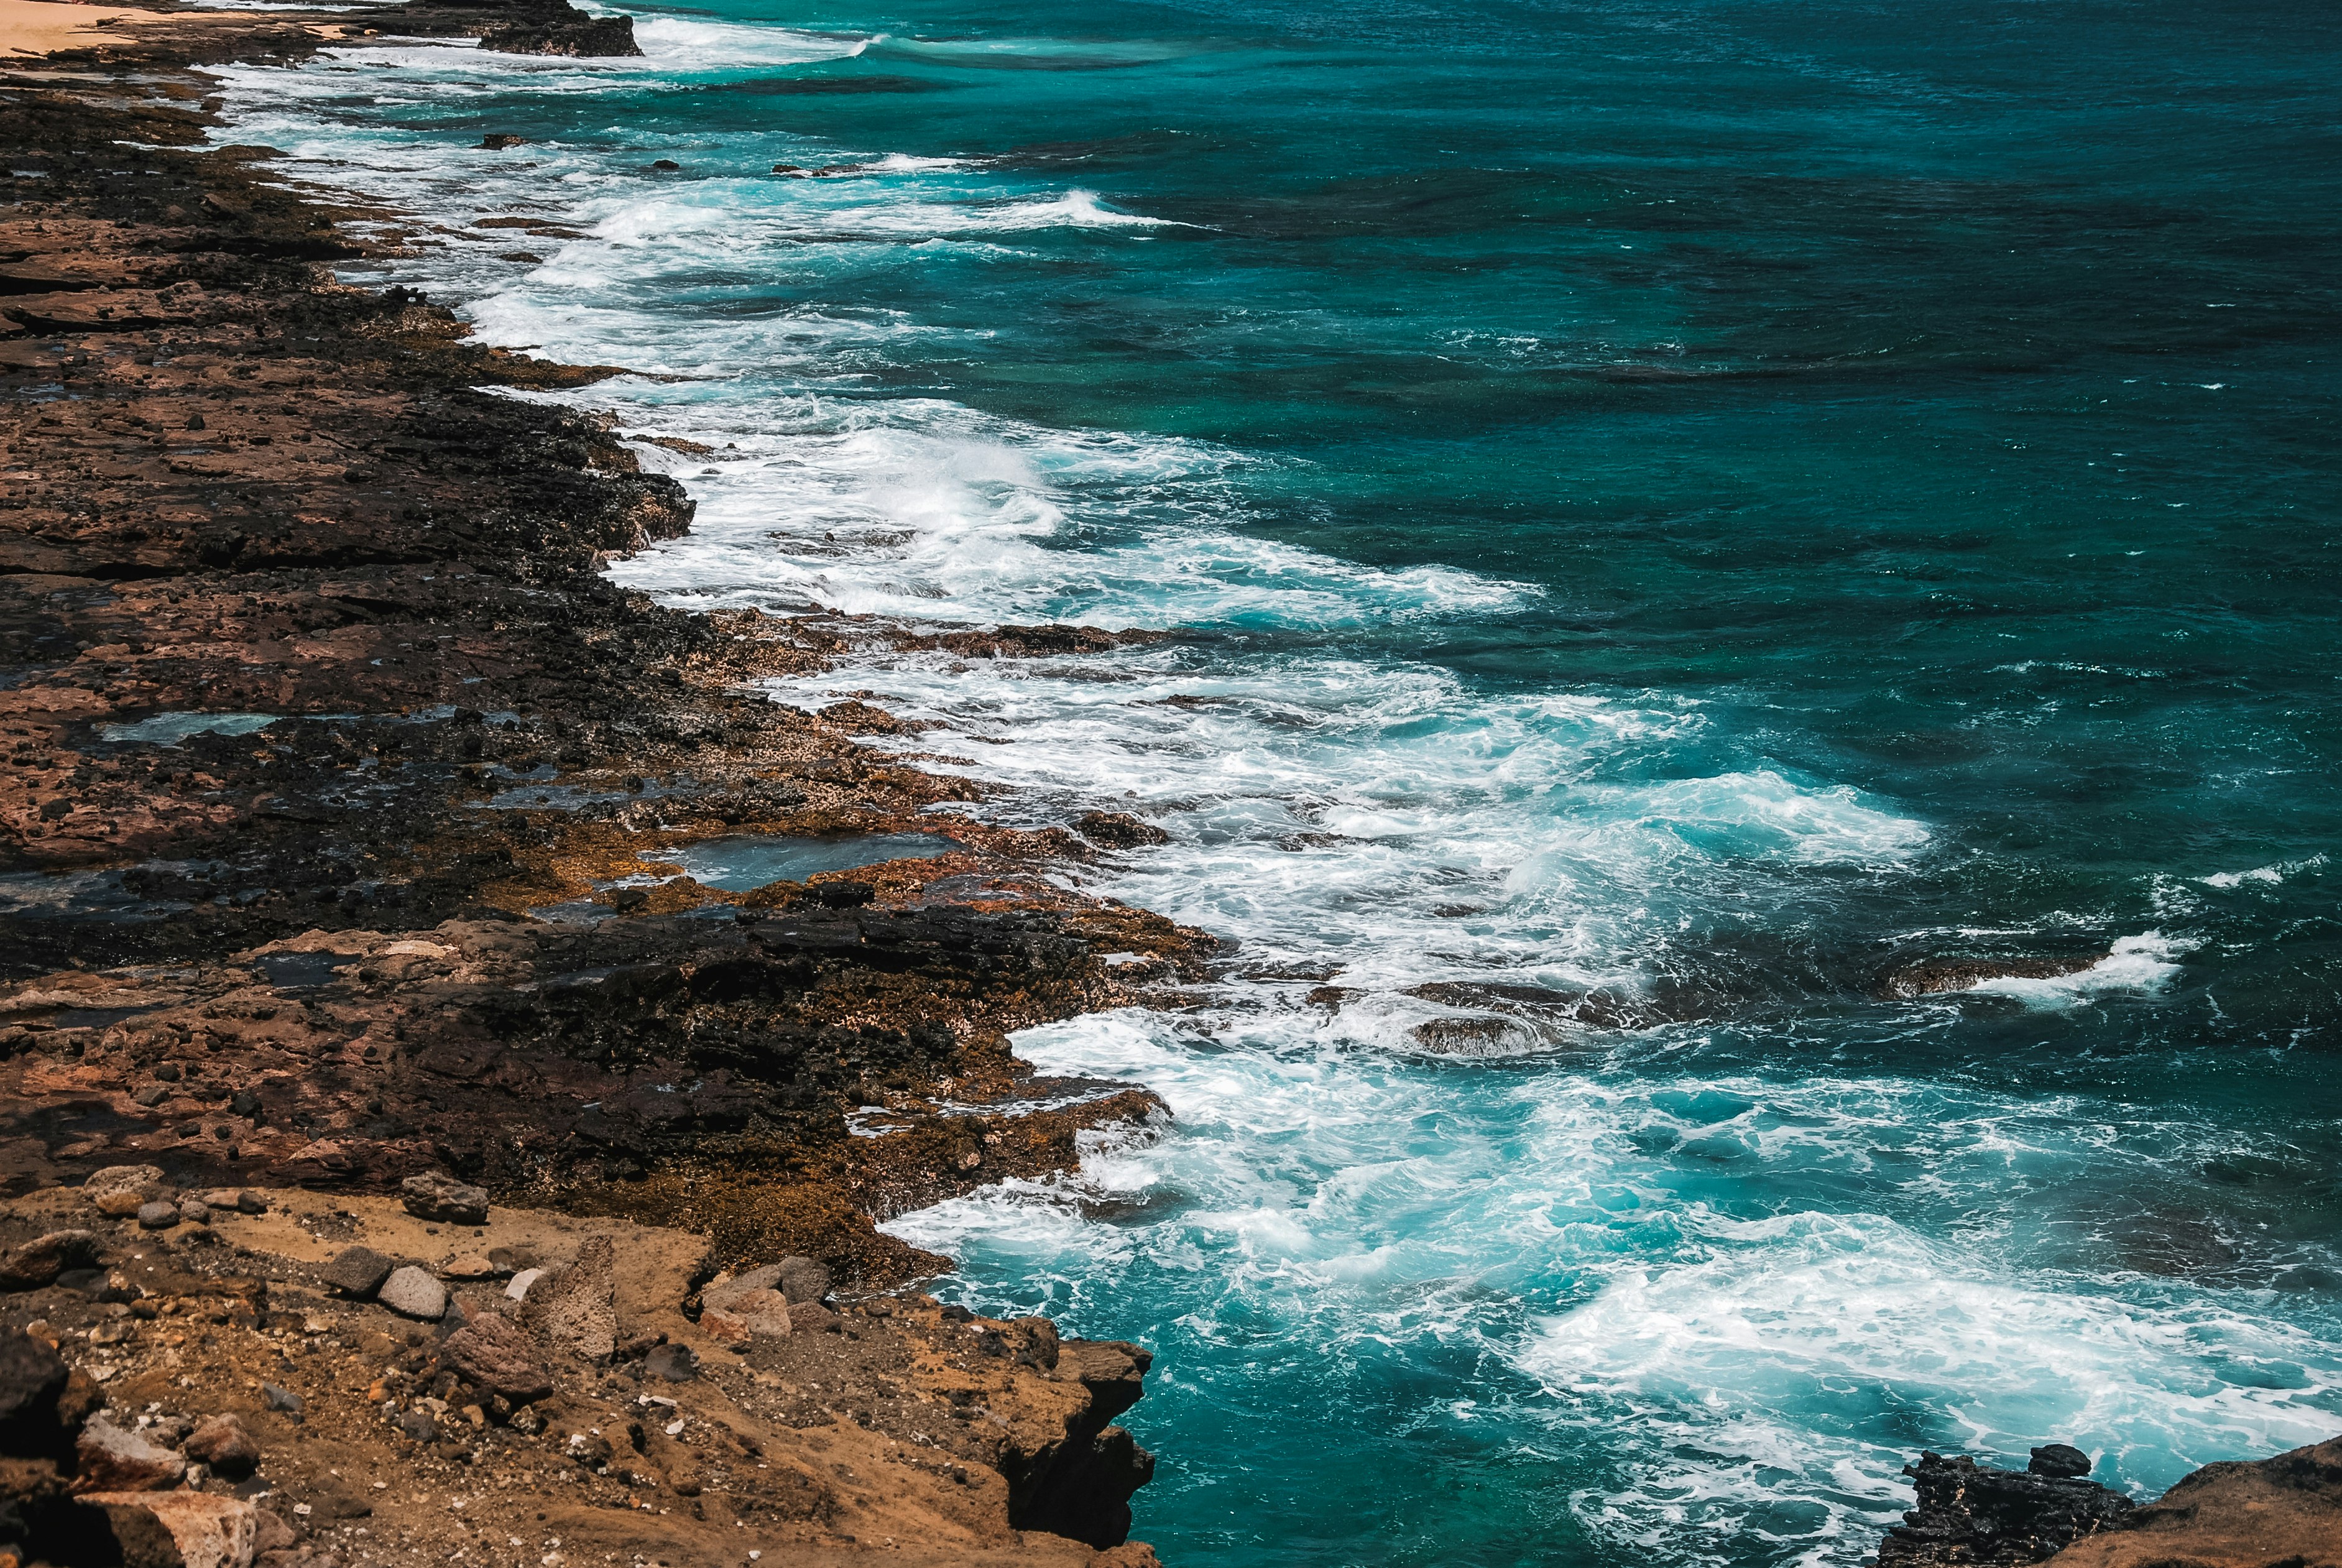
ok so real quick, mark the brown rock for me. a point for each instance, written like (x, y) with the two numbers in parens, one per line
(439, 1197)
(576, 1307)
(271, 1532)
(492, 1353)
(32, 1265)
(2285, 1510)
(208, 1531)
(221, 1441)
(110, 1459)
(743, 1315)
(145, 1180)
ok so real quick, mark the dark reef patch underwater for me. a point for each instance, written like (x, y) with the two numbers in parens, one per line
(1754, 592)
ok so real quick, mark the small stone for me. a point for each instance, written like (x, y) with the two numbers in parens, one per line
(250, 1202)
(152, 1095)
(518, 1289)
(492, 1353)
(121, 1203)
(411, 1291)
(194, 1213)
(439, 1197)
(157, 1215)
(221, 1441)
(2060, 1460)
(204, 1528)
(512, 1260)
(469, 1266)
(281, 1398)
(356, 1272)
(109, 1458)
(673, 1362)
(31, 1264)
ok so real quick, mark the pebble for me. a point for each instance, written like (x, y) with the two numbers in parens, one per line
(157, 1215)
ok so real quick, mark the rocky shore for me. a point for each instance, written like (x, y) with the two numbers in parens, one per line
(340, 833)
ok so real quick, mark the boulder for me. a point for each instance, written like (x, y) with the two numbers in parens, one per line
(109, 1458)
(576, 1307)
(738, 1316)
(798, 1279)
(492, 1352)
(2059, 1459)
(356, 1272)
(145, 1180)
(438, 1196)
(221, 1441)
(207, 1531)
(497, 141)
(31, 1264)
(411, 1291)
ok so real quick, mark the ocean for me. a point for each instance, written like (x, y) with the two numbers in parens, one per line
(1670, 513)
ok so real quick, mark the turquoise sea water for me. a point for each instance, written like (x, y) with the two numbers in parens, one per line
(1700, 504)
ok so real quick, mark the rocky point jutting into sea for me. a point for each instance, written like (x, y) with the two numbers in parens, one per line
(418, 1144)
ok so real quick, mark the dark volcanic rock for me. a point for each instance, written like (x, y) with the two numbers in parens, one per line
(524, 26)
(356, 1271)
(1973, 1514)
(32, 1265)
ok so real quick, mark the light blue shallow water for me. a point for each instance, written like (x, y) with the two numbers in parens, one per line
(1693, 506)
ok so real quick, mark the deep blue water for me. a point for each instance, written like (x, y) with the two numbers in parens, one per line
(1697, 504)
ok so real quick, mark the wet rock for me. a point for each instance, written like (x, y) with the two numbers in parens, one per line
(31, 1264)
(203, 1530)
(1974, 1514)
(575, 1308)
(1120, 830)
(157, 1215)
(109, 1458)
(492, 1352)
(2059, 1459)
(497, 142)
(441, 1197)
(412, 1292)
(356, 1272)
(664, 164)
(1940, 976)
(221, 1441)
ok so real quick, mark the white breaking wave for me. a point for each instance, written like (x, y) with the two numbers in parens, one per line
(2144, 963)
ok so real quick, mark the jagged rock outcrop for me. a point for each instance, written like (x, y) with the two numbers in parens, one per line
(525, 26)
(1974, 1514)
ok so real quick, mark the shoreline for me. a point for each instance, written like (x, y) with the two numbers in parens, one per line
(318, 693)
(323, 955)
